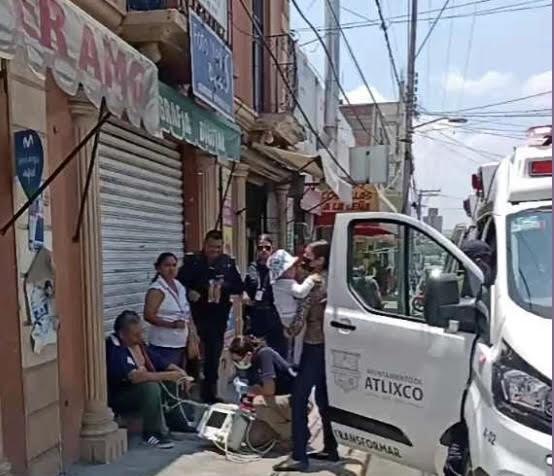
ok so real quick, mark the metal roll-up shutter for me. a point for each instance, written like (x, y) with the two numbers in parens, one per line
(141, 190)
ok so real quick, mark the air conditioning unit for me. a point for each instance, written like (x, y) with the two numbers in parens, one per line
(370, 164)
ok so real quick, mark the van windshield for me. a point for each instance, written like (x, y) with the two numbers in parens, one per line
(530, 260)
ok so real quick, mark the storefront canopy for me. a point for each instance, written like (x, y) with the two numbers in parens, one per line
(79, 51)
(292, 160)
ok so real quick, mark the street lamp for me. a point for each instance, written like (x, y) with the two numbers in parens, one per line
(451, 120)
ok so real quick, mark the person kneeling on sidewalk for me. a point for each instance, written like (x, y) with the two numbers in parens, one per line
(270, 379)
(135, 378)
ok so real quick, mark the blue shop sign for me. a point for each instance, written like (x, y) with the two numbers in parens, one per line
(212, 67)
(29, 160)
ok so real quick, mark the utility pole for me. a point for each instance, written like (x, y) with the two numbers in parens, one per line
(332, 42)
(424, 194)
(410, 109)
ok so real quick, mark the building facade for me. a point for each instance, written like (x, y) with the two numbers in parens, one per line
(148, 153)
(387, 129)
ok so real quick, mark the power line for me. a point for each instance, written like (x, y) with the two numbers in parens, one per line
(508, 111)
(333, 68)
(429, 10)
(486, 106)
(356, 14)
(501, 122)
(492, 133)
(292, 92)
(473, 149)
(427, 89)
(399, 19)
(360, 72)
(449, 145)
(501, 112)
(389, 48)
(468, 54)
(448, 50)
(367, 20)
(431, 28)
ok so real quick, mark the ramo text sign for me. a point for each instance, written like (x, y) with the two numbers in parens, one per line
(58, 35)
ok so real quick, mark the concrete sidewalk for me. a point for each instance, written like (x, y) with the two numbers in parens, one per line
(193, 456)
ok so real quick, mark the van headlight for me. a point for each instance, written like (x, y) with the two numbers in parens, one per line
(522, 393)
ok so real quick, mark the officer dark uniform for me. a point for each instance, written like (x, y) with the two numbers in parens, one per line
(210, 318)
(262, 315)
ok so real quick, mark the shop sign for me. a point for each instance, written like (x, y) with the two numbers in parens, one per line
(29, 165)
(29, 160)
(181, 118)
(364, 199)
(212, 67)
(39, 289)
(58, 35)
(217, 9)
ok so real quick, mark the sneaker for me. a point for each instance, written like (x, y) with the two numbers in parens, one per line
(325, 455)
(163, 442)
(292, 466)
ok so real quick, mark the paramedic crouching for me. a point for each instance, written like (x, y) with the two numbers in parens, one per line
(270, 378)
(135, 373)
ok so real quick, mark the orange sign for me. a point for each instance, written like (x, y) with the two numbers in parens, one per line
(364, 199)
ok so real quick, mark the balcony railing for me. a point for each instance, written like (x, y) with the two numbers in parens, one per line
(280, 99)
(145, 5)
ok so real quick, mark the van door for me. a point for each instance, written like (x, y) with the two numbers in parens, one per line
(395, 382)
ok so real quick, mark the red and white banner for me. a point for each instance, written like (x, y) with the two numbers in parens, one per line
(365, 198)
(58, 35)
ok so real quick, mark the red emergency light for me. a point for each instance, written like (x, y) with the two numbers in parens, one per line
(476, 182)
(540, 168)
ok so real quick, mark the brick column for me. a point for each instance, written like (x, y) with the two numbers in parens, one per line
(282, 193)
(5, 467)
(101, 439)
(208, 185)
(239, 186)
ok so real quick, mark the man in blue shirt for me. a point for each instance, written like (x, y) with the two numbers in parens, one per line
(135, 373)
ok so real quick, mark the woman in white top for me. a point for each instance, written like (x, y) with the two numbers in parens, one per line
(288, 293)
(167, 311)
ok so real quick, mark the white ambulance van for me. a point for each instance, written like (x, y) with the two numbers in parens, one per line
(402, 377)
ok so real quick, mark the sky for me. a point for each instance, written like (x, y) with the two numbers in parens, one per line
(476, 55)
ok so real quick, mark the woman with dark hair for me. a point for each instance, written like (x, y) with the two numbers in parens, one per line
(263, 319)
(312, 366)
(270, 380)
(167, 311)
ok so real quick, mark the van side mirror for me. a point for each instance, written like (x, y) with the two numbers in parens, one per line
(442, 304)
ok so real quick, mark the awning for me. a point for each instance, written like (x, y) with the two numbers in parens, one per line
(385, 204)
(181, 118)
(78, 50)
(292, 160)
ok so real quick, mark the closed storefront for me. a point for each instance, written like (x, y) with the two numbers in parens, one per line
(141, 194)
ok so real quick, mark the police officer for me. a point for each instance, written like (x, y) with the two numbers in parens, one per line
(211, 278)
(263, 318)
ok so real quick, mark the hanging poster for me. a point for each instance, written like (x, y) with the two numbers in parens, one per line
(39, 285)
(36, 225)
(29, 160)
